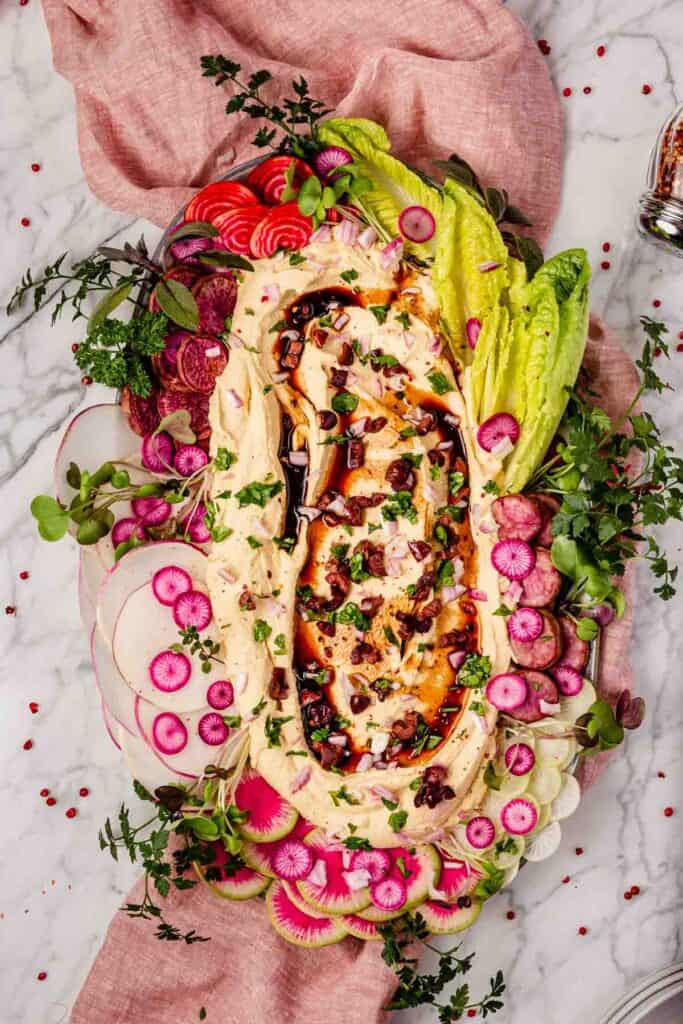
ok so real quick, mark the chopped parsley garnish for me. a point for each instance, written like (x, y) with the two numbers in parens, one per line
(445, 575)
(434, 472)
(273, 728)
(491, 487)
(340, 551)
(397, 820)
(344, 401)
(455, 481)
(262, 631)
(391, 636)
(278, 326)
(356, 842)
(349, 275)
(258, 493)
(351, 615)
(475, 671)
(452, 511)
(379, 313)
(285, 543)
(414, 459)
(358, 573)
(342, 795)
(253, 542)
(224, 459)
(408, 432)
(280, 644)
(404, 319)
(439, 382)
(399, 504)
(295, 259)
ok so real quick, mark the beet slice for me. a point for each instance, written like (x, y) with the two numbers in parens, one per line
(283, 227)
(215, 296)
(268, 179)
(518, 516)
(539, 687)
(218, 198)
(142, 413)
(542, 585)
(236, 227)
(182, 273)
(201, 360)
(196, 404)
(542, 652)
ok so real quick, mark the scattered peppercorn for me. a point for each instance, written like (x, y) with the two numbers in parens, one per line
(511, 915)
(656, 303)
(679, 348)
(661, 775)
(544, 46)
(83, 791)
(42, 975)
(34, 707)
(635, 890)
(75, 347)
(601, 51)
(71, 812)
(628, 895)
(45, 792)
(50, 801)
(646, 90)
(566, 91)
(565, 880)
(28, 744)
(23, 575)
(606, 246)
(668, 812)
(25, 222)
(680, 335)
(578, 851)
(587, 89)
(471, 1013)
(658, 351)
(583, 930)
(35, 168)
(10, 609)
(86, 380)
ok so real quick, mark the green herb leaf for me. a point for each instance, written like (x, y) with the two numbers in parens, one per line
(178, 303)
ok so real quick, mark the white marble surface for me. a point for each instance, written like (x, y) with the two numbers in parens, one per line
(58, 891)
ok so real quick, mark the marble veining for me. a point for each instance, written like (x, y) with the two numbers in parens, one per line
(58, 891)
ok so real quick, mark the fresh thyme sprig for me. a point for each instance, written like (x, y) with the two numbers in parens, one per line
(206, 650)
(423, 989)
(295, 113)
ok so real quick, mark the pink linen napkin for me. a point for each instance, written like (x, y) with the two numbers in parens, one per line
(442, 76)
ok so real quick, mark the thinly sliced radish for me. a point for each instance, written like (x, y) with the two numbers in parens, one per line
(328, 160)
(170, 671)
(377, 863)
(506, 691)
(138, 567)
(525, 625)
(472, 331)
(97, 434)
(151, 511)
(189, 459)
(567, 800)
(480, 832)
(144, 765)
(416, 224)
(519, 817)
(157, 452)
(220, 695)
(113, 728)
(569, 681)
(123, 530)
(86, 602)
(212, 729)
(388, 894)
(496, 428)
(514, 559)
(519, 759)
(192, 608)
(115, 693)
(195, 755)
(195, 526)
(545, 844)
(169, 583)
(168, 733)
(292, 860)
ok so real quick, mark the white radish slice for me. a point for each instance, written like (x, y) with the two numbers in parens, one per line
(544, 844)
(116, 696)
(567, 800)
(144, 766)
(513, 785)
(96, 435)
(493, 805)
(545, 783)
(91, 572)
(135, 569)
(192, 759)
(509, 858)
(511, 872)
(543, 818)
(86, 602)
(558, 750)
(113, 728)
(145, 630)
(572, 708)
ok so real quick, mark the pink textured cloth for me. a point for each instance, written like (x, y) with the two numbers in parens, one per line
(442, 76)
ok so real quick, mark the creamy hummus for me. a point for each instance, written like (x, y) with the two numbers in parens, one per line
(372, 355)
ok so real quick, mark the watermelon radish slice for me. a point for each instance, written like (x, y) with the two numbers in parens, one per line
(98, 433)
(201, 361)
(236, 227)
(170, 671)
(189, 459)
(212, 729)
(194, 525)
(86, 604)
(216, 199)
(506, 691)
(298, 927)
(151, 511)
(123, 530)
(569, 681)
(377, 863)
(268, 179)
(283, 227)
(330, 159)
(519, 759)
(138, 567)
(270, 817)
(142, 764)
(545, 783)
(567, 800)
(525, 625)
(544, 844)
(513, 559)
(260, 855)
(168, 583)
(292, 860)
(335, 895)
(184, 250)
(243, 884)
(416, 224)
(448, 918)
(389, 894)
(157, 452)
(112, 727)
(215, 296)
(457, 879)
(480, 832)
(115, 694)
(220, 695)
(192, 608)
(360, 928)
(519, 817)
(419, 871)
(497, 429)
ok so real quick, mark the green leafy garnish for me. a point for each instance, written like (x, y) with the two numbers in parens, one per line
(475, 671)
(116, 352)
(258, 493)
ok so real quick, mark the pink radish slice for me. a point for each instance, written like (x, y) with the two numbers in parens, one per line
(185, 249)
(195, 526)
(519, 817)
(388, 894)
(170, 671)
(292, 860)
(328, 160)
(480, 832)
(146, 764)
(569, 681)
(169, 733)
(189, 459)
(495, 429)
(151, 511)
(114, 691)
(514, 559)
(220, 695)
(111, 726)
(192, 609)
(98, 433)
(191, 761)
(157, 452)
(168, 583)
(212, 729)
(525, 625)
(472, 331)
(416, 224)
(123, 529)
(86, 605)
(377, 863)
(519, 759)
(506, 691)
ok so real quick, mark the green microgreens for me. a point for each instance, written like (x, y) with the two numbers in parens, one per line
(206, 650)
(273, 729)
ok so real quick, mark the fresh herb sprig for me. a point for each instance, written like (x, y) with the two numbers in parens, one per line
(609, 509)
(293, 124)
(423, 989)
(116, 352)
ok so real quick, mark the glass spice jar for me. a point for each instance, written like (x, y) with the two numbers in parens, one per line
(661, 207)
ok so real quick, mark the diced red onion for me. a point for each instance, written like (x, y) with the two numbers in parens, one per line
(408, 339)
(383, 793)
(394, 568)
(391, 253)
(444, 446)
(318, 873)
(478, 595)
(390, 527)
(452, 420)
(301, 779)
(472, 330)
(228, 575)
(379, 742)
(435, 345)
(488, 266)
(514, 592)
(337, 506)
(453, 593)
(233, 399)
(364, 763)
(298, 458)
(321, 234)
(347, 232)
(502, 448)
(398, 546)
(487, 526)
(364, 343)
(351, 377)
(548, 709)
(358, 427)
(341, 321)
(481, 723)
(378, 387)
(458, 568)
(308, 512)
(430, 493)
(280, 377)
(240, 682)
(456, 659)
(338, 741)
(367, 237)
(271, 292)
